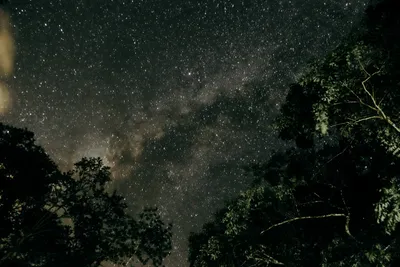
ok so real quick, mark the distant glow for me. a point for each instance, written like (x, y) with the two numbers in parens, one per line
(97, 152)
(7, 48)
(5, 99)
(7, 51)
(94, 150)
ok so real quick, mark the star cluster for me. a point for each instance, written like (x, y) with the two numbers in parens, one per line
(175, 96)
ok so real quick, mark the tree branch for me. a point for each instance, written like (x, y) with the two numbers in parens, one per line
(376, 105)
(307, 218)
(361, 101)
(261, 258)
(129, 260)
(311, 202)
(366, 118)
(338, 155)
(346, 102)
(357, 121)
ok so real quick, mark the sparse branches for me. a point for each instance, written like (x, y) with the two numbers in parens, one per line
(311, 202)
(354, 121)
(260, 257)
(361, 101)
(364, 119)
(310, 218)
(376, 106)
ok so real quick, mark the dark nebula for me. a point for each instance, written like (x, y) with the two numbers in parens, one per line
(176, 96)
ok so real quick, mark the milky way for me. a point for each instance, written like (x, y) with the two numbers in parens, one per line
(175, 96)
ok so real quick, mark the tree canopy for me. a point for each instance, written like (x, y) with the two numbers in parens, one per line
(49, 218)
(334, 199)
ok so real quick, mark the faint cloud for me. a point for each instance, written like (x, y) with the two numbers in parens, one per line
(5, 99)
(7, 48)
(7, 53)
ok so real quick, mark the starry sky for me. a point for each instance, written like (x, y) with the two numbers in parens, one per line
(175, 95)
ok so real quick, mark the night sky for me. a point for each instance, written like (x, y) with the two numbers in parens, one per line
(167, 92)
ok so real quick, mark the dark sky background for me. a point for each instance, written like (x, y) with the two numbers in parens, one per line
(166, 91)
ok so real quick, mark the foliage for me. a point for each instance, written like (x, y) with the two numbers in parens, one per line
(334, 199)
(54, 219)
(354, 91)
(320, 212)
(388, 207)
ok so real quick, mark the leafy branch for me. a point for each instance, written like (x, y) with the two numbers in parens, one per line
(261, 258)
(312, 217)
(376, 106)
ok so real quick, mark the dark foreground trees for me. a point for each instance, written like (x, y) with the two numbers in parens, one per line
(52, 219)
(334, 200)
(329, 207)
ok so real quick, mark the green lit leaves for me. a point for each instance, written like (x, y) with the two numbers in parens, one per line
(390, 140)
(212, 249)
(238, 212)
(321, 118)
(345, 92)
(388, 208)
(379, 255)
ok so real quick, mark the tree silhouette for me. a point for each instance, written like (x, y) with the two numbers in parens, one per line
(334, 200)
(53, 219)
(354, 91)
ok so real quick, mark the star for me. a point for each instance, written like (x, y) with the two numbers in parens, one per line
(175, 96)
